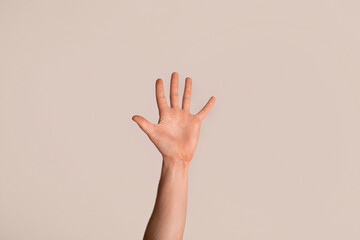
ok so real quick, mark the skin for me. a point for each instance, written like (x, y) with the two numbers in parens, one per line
(176, 136)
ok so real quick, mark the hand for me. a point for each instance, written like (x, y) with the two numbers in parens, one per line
(177, 132)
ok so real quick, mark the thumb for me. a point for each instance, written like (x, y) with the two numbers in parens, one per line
(144, 124)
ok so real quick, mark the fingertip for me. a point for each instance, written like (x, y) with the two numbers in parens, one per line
(212, 100)
(133, 117)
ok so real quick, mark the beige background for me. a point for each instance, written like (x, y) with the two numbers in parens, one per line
(278, 156)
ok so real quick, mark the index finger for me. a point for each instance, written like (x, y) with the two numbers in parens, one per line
(160, 95)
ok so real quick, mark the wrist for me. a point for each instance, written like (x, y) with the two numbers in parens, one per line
(175, 163)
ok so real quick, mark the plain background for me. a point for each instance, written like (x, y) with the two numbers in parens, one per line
(278, 156)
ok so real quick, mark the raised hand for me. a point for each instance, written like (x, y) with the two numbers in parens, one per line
(177, 132)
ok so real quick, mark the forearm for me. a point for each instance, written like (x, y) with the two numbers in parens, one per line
(168, 218)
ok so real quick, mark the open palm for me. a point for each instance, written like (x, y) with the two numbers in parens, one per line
(177, 132)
